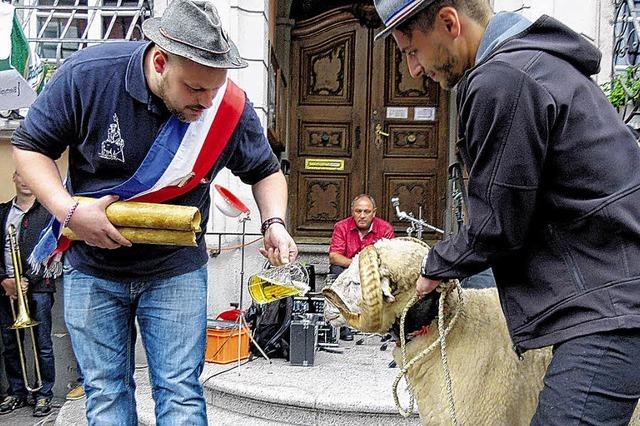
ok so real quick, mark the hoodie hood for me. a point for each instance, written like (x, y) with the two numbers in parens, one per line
(501, 27)
(509, 31)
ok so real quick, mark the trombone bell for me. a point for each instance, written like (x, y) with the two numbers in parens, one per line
(23, 320)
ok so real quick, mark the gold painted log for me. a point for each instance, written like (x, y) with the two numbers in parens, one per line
(150, 223)
(149, 236)
(132, 214)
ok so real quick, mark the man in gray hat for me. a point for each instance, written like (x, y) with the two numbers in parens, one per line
(149, 121)
(554, 195)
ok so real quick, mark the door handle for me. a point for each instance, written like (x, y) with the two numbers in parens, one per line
(379, 131)
(357, 137)
(379, 134)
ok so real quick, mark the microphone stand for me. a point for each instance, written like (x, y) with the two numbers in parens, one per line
(417, 225)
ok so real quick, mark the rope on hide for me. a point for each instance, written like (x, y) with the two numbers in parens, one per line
(442, 334)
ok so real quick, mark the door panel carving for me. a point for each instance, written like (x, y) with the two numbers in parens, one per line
(412, 141)
(415, 192)
(325, 139)
(327, 71)
(323, 200)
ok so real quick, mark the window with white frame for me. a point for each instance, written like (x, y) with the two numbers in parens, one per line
(60, 27)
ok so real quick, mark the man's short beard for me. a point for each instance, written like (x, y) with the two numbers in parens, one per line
(173, 110)
(446, 69)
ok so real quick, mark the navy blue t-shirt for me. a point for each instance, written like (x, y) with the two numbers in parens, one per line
(100, 92)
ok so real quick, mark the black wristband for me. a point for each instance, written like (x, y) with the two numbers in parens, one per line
(267, 223)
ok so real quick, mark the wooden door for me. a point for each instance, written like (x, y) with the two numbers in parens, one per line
(343, 85)
(408, 155)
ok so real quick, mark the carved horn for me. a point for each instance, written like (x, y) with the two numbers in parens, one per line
(370, 318)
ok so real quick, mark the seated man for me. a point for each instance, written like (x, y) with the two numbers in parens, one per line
(351, 235)
(354, 233)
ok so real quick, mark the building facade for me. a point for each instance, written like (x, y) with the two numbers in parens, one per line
(341, 111)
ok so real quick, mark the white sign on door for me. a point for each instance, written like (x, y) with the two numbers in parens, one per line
(424, 114)
(398, 112)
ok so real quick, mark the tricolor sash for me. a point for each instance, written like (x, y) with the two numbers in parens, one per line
(179, 158)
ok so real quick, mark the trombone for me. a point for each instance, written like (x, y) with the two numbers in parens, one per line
(22, 319)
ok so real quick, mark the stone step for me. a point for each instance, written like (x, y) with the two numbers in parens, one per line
(349, 388)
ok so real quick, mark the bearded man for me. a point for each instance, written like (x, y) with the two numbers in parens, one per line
(554, 195)
(150, 121)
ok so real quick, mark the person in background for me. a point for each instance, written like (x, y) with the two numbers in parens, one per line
(28, 217)
(351, 235)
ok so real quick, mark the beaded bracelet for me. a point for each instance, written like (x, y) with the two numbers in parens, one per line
(267, 223)
(67, 218)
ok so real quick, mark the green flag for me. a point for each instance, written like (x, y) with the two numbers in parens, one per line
(21, 56)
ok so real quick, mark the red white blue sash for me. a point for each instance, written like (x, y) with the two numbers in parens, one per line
(180, 157)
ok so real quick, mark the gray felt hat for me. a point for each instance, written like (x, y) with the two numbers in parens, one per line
(395, 12)
(192, 29)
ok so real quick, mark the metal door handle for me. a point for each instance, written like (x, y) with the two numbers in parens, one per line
(379, 135)
(379, 131)
(357, 136)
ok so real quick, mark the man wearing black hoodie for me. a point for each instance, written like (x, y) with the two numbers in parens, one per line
(554, 195)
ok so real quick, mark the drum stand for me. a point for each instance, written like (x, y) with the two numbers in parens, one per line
(241, 321)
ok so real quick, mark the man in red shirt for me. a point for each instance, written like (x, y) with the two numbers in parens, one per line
(354, 233)
(351, 235)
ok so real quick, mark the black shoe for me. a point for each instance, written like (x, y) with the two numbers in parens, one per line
(346, 334)
(42, 408)
(11, 403)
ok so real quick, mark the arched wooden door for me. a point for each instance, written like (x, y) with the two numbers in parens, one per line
(344, 87)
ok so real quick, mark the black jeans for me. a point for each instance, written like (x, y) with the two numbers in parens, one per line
(336, 270)
(40, 305)
(592, 380)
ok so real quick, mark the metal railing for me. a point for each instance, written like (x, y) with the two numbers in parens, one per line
(61, 27)
(215, 249)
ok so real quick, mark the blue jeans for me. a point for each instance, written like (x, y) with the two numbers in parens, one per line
(482, 279)
(592, 380)
(172, 316)
(40, 305)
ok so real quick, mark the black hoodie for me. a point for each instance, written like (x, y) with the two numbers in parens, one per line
(554, 190)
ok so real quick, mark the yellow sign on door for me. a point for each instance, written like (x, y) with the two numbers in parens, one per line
(323, 164)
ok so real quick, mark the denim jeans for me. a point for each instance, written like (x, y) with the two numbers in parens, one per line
(172, 317)
(40, 305)
(482, 279)
(592, 380)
